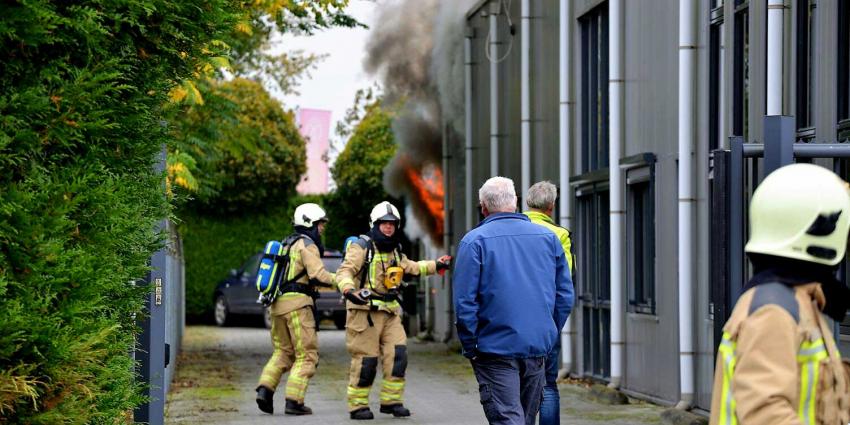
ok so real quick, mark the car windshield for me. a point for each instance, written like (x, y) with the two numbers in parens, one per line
(250, 267)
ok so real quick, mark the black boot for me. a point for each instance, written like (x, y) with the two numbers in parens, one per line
(295, 408)
(361, 414)
(398, 410)
(264, 399)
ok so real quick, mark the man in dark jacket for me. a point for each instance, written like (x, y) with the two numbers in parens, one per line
(512, 295)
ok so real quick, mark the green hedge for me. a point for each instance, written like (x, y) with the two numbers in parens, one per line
(212, 245)
(81, 127)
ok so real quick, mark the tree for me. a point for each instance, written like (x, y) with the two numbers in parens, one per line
(250, 153)
(81, 128)
(358, 173)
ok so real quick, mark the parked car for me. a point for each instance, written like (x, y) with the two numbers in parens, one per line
(237, 294)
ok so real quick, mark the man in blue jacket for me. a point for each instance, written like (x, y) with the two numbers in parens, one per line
(512, 295)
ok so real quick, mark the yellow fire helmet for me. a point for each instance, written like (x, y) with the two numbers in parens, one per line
(393, 277)
(801, 211)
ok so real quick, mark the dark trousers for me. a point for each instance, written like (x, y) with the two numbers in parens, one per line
(511, 389)
(550, 410)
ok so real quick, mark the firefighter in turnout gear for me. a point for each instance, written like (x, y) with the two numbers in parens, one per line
(293, 323)
(369, 278)
(778, 363)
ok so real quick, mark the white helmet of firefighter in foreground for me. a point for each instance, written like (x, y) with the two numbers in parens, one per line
(308, 214)
(384, 211)
(801, 211)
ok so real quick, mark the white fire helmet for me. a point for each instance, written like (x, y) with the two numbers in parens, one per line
(384, 211)
(802, 212)
(308, 214)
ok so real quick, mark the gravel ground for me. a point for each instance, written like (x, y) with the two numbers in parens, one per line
(218, 370)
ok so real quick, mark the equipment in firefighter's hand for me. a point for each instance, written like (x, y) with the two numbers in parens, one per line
(359, 297)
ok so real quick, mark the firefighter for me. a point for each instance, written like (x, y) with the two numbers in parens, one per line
(778, 363)
(374, 333)
(293, 322)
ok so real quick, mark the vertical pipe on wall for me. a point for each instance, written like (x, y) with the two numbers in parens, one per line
(467, 76)
(564, 152)
(686, 251)
(494, 87)
(447, 227)
(525, 97)
(615, 88)
(775, 22)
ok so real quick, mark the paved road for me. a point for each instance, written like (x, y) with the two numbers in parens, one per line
(218, 369)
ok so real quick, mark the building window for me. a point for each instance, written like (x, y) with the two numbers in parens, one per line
(843, 70)
(716, 98)
(741, 70)
(594, 89)
(640, 232)
(805, 67)
(592, 244)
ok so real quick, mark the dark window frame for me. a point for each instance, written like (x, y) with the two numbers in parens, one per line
(741, 70)
(715, 71)
(843, 64)
(640, 217)
(594, 89)
(805, 64)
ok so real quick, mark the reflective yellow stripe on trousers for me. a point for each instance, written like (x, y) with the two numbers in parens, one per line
(809, 356)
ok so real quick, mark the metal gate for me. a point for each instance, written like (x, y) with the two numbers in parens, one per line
(734, 175)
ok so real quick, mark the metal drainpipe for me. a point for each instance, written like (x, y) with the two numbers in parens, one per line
(775, 21)
(567, 334)
(615, 89)
(468, 149)
(494, 87)
(525, 97)
(687, 75)
(447, 231)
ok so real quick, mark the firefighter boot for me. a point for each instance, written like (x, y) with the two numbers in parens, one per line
(264, 399)
(295, 408)
(398, 410)
(362, 413)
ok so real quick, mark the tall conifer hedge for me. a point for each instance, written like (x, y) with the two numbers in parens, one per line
(82, 87)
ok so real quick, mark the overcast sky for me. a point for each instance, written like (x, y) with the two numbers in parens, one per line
(340, 75)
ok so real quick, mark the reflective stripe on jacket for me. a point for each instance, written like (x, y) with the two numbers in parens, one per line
(349, 273)
(304, 260)
(778, 364)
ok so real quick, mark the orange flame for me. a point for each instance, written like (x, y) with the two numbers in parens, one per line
(427, 187)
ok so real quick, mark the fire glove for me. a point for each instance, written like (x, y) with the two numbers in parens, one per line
(355, 297)
(443, 264)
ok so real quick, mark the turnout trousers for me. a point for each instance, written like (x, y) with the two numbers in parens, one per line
(381, 340)
(295, 351)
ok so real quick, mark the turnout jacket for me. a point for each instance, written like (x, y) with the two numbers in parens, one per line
(354, 265)
(778, 363)
(304, 260)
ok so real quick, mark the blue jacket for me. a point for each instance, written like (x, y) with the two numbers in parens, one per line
(512, 288)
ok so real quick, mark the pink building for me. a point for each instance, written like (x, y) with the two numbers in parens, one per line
(314, 125)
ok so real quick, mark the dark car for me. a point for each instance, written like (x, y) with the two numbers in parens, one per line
(237, 294)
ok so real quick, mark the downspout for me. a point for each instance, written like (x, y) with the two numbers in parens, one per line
(494, 87)
(615, 89)
(525, 98)
(775, 22)
(468, 150)
(687, 75)
(447, 232)
(567, 333)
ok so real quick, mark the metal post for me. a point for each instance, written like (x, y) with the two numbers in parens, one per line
(720, 220)
(152, 354)
(779, 134)
(736, 218)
